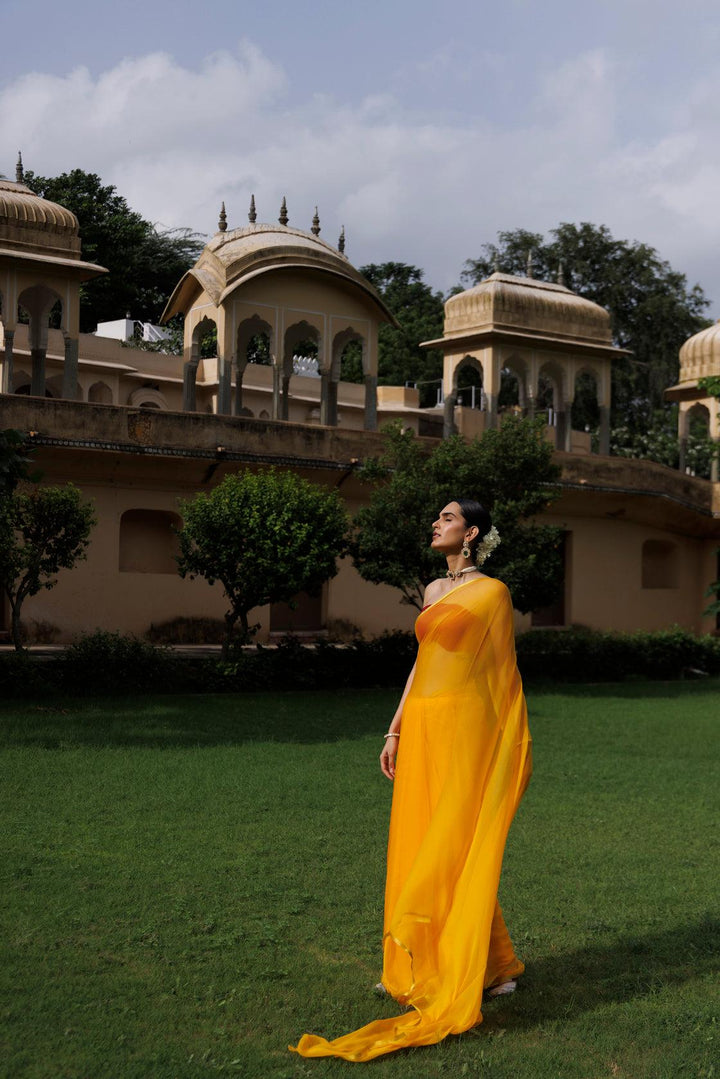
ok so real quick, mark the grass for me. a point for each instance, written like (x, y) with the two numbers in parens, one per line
(191, 883)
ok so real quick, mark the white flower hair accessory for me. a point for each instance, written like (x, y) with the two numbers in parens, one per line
(487, 545)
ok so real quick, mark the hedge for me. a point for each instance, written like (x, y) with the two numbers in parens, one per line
(112, 663)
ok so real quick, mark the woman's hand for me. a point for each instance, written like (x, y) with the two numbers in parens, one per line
(387, 757)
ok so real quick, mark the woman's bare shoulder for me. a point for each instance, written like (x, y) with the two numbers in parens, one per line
(434, 590)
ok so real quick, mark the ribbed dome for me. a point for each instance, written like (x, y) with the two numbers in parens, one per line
(33, 224)
(504, 301)
(238, 255)
(700, 355)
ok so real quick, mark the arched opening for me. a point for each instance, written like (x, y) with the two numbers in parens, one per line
(697, 449)
(585, 412)
(698, 421)
(258, 349)
(468, 384)
(204, 336)
(148, 541)
(301, 355)
(37, 306)
(100, 394)
(660, 564)
(547, 398)
(264, 415)
(511, 397)
(254, 345)
(347, 359)
(26, 391)
(203, 345)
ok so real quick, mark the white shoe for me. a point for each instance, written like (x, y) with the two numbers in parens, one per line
(501, 990)
(380, 990)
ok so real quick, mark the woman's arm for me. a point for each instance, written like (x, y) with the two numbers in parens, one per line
(389, 753)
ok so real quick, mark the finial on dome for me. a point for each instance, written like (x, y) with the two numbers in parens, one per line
(496, 263)
(19, 170)
(252, 213)
(283, 218)
(529, 263)
(316, 224)
(341, 241)
(222, 220)
(561, 275)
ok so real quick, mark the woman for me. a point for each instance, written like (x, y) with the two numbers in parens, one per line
(462, 744)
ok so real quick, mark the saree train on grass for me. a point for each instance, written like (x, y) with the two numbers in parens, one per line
(464, 761)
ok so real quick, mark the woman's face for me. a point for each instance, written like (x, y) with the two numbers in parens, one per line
(450, 530)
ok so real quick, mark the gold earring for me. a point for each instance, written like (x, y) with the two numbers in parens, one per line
(465, 550)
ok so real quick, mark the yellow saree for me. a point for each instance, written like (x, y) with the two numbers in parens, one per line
(464, 761)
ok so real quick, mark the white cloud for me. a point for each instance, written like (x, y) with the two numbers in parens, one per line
(176, 141)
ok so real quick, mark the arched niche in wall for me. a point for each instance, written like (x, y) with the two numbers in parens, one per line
(146, 397)
(148, 543)
(100, 394)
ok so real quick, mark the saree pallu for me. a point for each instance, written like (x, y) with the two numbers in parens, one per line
(464, 761)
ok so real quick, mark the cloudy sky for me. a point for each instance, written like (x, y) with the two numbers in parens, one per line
(422, 126)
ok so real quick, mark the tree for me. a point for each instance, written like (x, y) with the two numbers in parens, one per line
(264, 536)
(658, 441)
(14, 461)
(420, 313)
(145, 262)
(42, 532)
(652, 309)
(510, 470)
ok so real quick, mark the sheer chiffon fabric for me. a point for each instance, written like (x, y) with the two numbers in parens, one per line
(464, 761)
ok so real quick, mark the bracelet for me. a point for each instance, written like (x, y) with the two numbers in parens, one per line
(392, 734)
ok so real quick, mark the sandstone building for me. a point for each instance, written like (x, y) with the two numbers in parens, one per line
(139, 430)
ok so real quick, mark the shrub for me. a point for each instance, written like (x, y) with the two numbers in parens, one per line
(583, 655)
(116, 663)
(23, 675)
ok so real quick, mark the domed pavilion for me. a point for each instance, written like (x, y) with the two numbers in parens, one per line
(699, 358)
(542, 334)
(281, 289)
(40, 267)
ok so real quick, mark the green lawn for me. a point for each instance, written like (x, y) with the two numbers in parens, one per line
(191, 883)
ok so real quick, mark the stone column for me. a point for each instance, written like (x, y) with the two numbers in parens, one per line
(70, 370)
(370, 402)
(492, 410)
(715, 463)
(190, 370)
(238, 409)
(276, 392)
(604, 446)
(562, 430)
(7, 377)
(223, 399)
(325, 398)
(449, 428)
(682, 454)
(332, 396)
(37, 384)
(682, 439)
(285, 397)
(531, 406)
